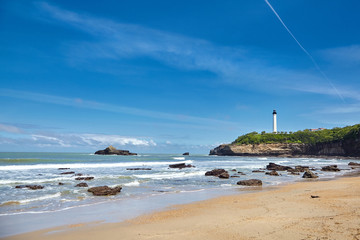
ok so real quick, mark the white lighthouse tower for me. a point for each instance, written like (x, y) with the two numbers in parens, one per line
(274, 122)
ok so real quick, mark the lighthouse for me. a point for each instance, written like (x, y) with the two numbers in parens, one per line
(274, 122)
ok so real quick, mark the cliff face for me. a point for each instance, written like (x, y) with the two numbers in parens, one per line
(346, 148)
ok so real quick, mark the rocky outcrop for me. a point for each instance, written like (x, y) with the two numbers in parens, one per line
(104, 190)
(250, 182)
(113, 151)
(331, 168)
(32, 187)
(138, 169)
(276, 167)
(67, 173)
(180, 165)
(341, 148)
(84, 178)
(272, 173)
(81, 185)
(309, 174)
(186, 154)
(216, 172)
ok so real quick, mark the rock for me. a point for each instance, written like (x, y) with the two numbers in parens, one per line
(79, 174)
(67, 173)
(136, 169)
(314, 196)
(234, 170)
(250, 182)
(180, 165)
(301, 168)
(32, 187)
(330, 168)
(60, 183)
(84, 178)
(81, 185)
(224, 175)
(104, 190)
(113, 151)
(241, 173)
(276, 167)
(272, 173)
(186, 154)
(215, 172)
(63, 168)
(257, 171)
(354, 164)
(309, 174)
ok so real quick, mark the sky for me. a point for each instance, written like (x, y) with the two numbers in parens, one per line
(173, 76)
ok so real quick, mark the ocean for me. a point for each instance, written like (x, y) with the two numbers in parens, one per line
(143, 191)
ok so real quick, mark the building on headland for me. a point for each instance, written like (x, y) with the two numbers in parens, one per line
(274, 122)
(316, 129)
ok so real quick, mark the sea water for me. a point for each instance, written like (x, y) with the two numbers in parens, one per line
(142, 190)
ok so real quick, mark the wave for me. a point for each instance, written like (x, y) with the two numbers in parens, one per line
(132, 184)
(179, 158)
(49, 196)
(173, 175)
(31, 181)
(86, 165)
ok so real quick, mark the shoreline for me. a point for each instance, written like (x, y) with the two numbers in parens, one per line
(271, 213)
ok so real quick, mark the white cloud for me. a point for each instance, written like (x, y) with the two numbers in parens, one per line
(9, 128)
(343, 55)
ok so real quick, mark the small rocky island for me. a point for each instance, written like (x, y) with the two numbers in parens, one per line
(336, 142)
(113, 151)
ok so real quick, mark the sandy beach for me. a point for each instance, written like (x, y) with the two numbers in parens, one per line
(287, 212)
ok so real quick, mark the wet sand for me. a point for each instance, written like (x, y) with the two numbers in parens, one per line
(288, 212)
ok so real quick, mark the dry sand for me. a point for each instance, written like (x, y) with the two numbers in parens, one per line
(288, 212)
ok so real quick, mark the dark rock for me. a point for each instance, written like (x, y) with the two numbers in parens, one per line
(276, 167)
(186, 154)
(81, 185)
(301, 168)
(84, 178)
(104, 190)
(272, 173)
(257, 171)
(235, 176)
(354, 164)
(250, 182)
(180, 165)
(241, 173)
(79, 174)
(234, 170)
(67, 173)
(330, 168)
(113, 151)
(60, 183)
(215, 172)
(309, 174)
(314, 196)
(135, 169)
(224, 175)
(32, 187)
(63, 168)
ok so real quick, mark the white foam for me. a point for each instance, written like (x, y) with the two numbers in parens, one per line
(132, 184)
(86, 165)
(179, 158)
(30, 181)
(39, 198)
(172, 175)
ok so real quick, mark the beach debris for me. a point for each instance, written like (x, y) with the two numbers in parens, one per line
(84, 178)
(330, 168)
(104, 190)
(83, 184)
(309, 174)
(276, 167)
(180, 165)
(63, 168)
(272, 173)
(314, 196)
(113, 151)
(136, 169)
(186, 154)
(67, 173)
(32, 187)
(224, 175)
(215, 172)
(250, 182)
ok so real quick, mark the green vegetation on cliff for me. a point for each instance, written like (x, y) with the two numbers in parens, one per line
(305, 136)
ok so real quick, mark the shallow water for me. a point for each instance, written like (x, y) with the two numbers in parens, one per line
(163, 185)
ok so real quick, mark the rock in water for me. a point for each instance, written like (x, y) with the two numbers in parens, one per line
(113, 151)
(272, 173)
(180, 165)
(224, 175)
(84, 178)
(32, 187)
(215, 172)
(309, 174)
(276, 167)
(104, 190)
(186, 154)
(250, 182)
(331, 168)
(354, 164)
(81, 185)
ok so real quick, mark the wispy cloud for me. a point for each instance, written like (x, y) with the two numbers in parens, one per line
(343, 55)
(10, 128)
(81, 103)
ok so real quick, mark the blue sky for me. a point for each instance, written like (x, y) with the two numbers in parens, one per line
(173, 76)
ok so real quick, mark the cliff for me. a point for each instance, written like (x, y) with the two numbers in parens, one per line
(342, 148)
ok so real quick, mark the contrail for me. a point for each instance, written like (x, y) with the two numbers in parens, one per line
(305, 51)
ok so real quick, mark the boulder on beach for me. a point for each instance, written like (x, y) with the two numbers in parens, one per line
(309, 174)
(276, 167)
(330, 168)
(215, 172)
(104, 190)
(180, 165)
(113, 151)
(32, 187)
(250, 182)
